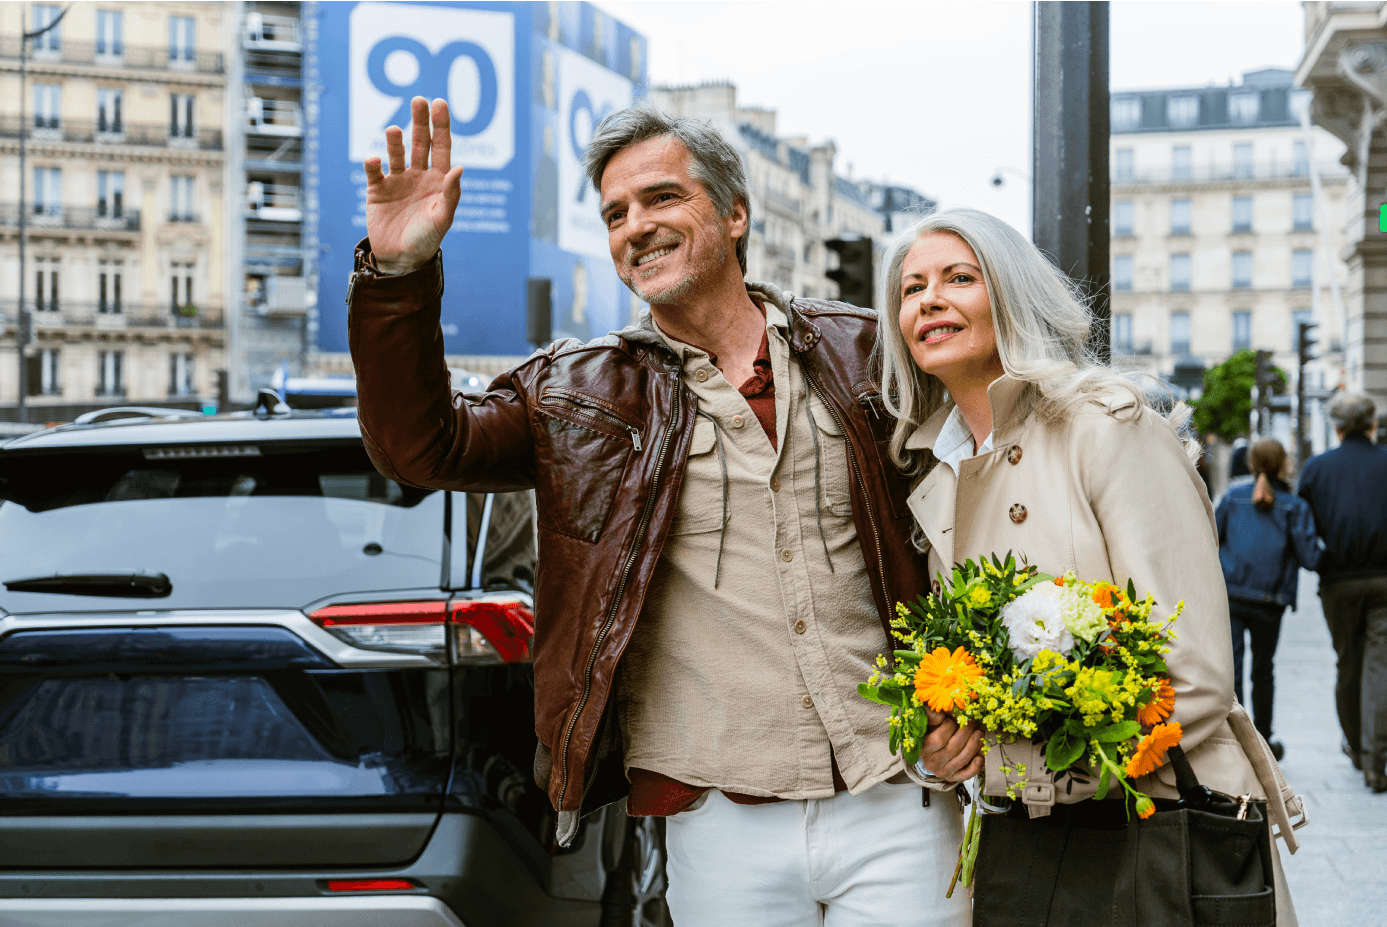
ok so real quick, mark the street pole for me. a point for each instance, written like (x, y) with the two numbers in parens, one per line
(22, 319)
(1070, 196)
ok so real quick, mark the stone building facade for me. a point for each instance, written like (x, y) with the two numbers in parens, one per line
(125, 271)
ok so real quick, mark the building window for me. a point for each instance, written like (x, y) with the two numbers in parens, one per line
(1123, 218)
(1242, 270)
(1303, 212)
(181, 299)
(1300, 158)
(1244, 108)
(109, 106)
(48, 106)
(181, 38)
(1302, 267)
(109, 29)
(1122, 332)
(1242, 330)
(1179, 271)
(48, 191)
(44, 14)
(1122, 272)
(110, 378)
(108, 287)
(1242, 160)
(110, 194)
(42, 370)
(1179, 333)
(1180, 214)
(181, 198)
(1122, 166)
(181, 375)
(46, 285)
(180, 115)
(1297, 317)
(1242, 213)
(1181, 165)
(1126, 113)
(1182, 111)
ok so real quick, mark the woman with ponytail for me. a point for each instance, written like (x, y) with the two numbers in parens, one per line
(1266, 534)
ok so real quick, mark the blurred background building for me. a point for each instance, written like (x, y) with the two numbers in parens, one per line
(126, 268)
(1227, 226)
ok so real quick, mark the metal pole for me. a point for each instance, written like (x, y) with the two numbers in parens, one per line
(1070, 197)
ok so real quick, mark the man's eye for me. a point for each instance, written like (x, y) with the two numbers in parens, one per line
(613, 218)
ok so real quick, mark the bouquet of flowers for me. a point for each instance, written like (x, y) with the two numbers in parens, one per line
(1076, 666)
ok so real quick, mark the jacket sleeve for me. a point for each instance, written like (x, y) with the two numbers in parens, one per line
(416, 429)
(1309, 549)
(1221, 519)
(1158, 526)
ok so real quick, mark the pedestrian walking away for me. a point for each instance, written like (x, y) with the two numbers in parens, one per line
(1347, 491)
(720, 545)
(1266, 536)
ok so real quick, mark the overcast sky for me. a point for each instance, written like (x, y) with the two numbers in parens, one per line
(936, 95)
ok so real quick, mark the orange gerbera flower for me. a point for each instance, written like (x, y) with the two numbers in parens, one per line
(1159, 708)
(1152, 748)
(941, 680)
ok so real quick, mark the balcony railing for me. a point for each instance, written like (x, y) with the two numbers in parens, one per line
(273, 117)
(1219, 173)
(273, 202)
(45, 216)
(70, 313)
(272, 33)
(89, 132)
(113, 54)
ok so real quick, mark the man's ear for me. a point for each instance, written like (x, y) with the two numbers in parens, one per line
(737, 220)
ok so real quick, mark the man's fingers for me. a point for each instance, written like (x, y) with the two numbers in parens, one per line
(419, 134)
(442, 136)
(395, 149)
(373, 172)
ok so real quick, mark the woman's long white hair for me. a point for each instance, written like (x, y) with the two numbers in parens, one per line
(1041, 321)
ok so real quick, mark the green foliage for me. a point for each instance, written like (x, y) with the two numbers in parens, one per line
(1226, 406)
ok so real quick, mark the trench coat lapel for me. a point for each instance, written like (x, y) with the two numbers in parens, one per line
(932, 501)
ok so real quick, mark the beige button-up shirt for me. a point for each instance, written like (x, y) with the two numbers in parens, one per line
(742, 672)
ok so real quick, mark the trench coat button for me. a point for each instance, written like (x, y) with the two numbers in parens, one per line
(807, 702)
(935, 588)
(738, 421)
(787, 555)
(800, 627)
(1014, 455)
(775, 484)
(701, 374)
(1018, 513)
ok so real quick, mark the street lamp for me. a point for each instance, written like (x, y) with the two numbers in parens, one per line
(998, 180)
(21, 326)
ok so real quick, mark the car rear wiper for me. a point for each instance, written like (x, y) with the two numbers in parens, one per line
(126, 585)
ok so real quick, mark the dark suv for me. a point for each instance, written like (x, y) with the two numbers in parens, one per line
(245, 679)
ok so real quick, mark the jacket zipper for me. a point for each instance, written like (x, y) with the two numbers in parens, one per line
(621, 587)
(595, 411)
(861, 484)
(358, 263)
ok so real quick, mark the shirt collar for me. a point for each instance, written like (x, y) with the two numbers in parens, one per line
(776, 320)
(955, 442)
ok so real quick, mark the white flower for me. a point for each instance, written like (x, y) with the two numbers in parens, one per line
(1035, 621)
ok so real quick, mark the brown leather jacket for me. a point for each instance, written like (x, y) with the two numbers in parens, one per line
(601, 431)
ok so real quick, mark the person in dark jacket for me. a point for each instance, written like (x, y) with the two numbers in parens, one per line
(1266, 534)
(1347, 491)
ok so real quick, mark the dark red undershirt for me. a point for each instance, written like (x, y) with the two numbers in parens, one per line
(655, 794)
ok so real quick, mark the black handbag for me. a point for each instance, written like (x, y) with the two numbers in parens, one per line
(1203, 860)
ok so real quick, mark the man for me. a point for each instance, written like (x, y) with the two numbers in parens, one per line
(1347, 491)
(721, 544)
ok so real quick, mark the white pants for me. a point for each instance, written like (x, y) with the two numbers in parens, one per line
(875, 859)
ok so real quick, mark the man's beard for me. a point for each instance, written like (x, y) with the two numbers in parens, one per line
(677, 291)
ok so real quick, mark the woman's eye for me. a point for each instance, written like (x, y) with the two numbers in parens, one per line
(912, 289)
(961, 278)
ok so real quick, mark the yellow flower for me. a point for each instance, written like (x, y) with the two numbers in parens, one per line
(1151, 749)
(979, 597)
(941, 680)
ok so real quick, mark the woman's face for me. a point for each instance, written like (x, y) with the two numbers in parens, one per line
(946, 313)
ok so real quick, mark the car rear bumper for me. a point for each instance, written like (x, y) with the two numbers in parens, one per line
(379, 911)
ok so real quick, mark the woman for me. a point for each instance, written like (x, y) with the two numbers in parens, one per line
(1266, 534)
(1023, 442)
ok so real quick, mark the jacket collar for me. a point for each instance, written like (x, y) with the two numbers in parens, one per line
(1004, 395)
(645, 331)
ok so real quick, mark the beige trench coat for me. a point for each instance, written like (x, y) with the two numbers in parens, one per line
(1113, 496)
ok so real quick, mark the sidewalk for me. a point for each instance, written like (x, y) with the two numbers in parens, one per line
(1339, 875)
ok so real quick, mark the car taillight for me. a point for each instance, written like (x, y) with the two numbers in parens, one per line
(370, 885)
(412, 627)
(491, 630)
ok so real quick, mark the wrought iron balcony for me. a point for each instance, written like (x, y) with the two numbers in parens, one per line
(47, 216)
(63, 313)
(91, 132)
(120, 55)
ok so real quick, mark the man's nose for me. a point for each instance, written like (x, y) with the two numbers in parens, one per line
(639, 223)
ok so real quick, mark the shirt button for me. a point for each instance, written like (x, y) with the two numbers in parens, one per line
(701, 374)
(807, 702)
(800, 627)
(775, 484)
(787, 555)
(1017, 513)
(738, 421)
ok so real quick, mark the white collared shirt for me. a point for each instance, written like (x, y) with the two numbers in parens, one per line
(955, 442)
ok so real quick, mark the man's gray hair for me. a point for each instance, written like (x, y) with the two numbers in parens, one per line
(1352, 414)
(713, 161)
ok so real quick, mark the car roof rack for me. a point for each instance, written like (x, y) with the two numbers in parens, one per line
(118, 412)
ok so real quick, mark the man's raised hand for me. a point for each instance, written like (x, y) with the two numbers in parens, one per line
(409, 210)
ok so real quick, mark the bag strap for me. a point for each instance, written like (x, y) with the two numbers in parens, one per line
(1282, 800)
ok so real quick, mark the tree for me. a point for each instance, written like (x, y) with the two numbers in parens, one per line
(1225, 407)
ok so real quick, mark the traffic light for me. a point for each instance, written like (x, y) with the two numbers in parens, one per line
(1267, 380)
(854, 271)
(1304, 342)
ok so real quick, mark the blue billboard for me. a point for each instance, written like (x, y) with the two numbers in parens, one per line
(526, 84)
